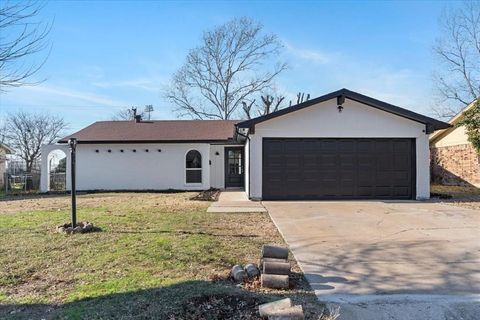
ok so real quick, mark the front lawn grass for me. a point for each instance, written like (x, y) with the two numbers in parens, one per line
(155, 252)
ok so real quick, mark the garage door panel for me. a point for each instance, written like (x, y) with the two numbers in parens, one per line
(384, 191)
(401, 146)
(346, 146)
(328, 160)
(385, 146)
(331, 168)
(385, 162)
(401, 161)
(347, 159)
(328, 146)
(365, 145)
(401, 191)
(384, 179)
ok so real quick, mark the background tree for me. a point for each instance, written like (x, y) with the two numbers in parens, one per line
(21, 36)
(27, 132)
(471, 121)
(232, 64)
(270, 103)
(458, 75)
(3, 131)
(148, 111)
(127, 114)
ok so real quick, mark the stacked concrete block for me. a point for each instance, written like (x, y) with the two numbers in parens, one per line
(275, 266)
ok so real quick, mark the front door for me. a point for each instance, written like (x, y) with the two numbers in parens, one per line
(234, 167)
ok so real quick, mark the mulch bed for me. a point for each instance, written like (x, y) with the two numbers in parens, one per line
(207, 195)
(222, 307)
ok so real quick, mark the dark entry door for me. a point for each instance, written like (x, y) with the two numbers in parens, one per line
(331, 168)
(234, 167)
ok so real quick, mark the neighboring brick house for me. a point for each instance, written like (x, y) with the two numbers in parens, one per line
(453, 159)
(4, 150)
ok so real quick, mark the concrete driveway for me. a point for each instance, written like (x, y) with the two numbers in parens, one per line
(387, 260)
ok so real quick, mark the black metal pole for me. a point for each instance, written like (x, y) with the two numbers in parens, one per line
(73, 144)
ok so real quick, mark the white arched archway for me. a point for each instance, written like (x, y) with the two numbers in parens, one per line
(57, 170)
(55, 173)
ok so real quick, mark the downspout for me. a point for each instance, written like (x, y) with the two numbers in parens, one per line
(249, 162)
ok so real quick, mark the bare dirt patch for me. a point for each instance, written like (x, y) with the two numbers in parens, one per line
(462, 196)
(207, 195)
(222, 307)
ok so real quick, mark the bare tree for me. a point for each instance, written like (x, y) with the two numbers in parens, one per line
(3, 131)
(21, 37)
(148, 111)
(127, 114)
(27, 132)
(301, 97)
(270, 103)
(233, 63)
(458, 75)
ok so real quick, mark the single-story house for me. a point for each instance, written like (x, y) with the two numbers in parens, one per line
(454, 160)
(4, 150)
(343, 145)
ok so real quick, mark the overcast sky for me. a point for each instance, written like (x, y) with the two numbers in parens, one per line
(110, 55)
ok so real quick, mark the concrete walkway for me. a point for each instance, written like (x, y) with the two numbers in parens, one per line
(387, 260)
(231, 201)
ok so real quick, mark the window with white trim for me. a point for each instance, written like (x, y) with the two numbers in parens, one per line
(193, 167)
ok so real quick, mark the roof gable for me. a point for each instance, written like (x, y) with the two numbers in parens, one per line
(432, 124)
(453, 122)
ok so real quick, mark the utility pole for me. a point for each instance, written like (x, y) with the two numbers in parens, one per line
(72, 143)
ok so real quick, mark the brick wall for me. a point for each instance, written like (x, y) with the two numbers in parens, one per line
(455, 165)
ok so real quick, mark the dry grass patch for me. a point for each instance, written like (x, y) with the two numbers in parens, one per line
(462, 196)
(156, 252)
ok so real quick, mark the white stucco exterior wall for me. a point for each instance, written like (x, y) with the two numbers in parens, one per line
(355, 121)
(217, 167)
(140, 170)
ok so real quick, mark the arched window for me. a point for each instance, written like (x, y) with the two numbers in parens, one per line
(193, 167)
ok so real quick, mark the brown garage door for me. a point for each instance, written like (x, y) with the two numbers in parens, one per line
(295, 169)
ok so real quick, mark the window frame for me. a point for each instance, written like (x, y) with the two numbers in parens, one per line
(192, 169)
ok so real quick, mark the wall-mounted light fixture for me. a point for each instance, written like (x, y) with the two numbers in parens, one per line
(159, 150)
(97, 151)
(146, 150)
(134, 150)
(340, 102)
(121, 150)
(109, 150)
(217, 153)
